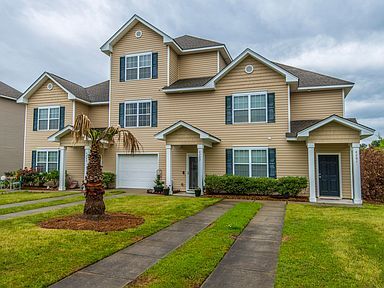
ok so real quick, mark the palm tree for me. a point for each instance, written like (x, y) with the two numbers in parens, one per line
(94, 190)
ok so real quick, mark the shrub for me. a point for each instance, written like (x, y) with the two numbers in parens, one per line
(240, 185)
(372, 174)
(53, 176)
(28, 176)
(108, 179)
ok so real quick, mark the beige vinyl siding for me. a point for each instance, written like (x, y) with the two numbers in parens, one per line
(99, 115)
(75, 163)
(81, 108)
(334, 133)
(173, 66)
(344, 150)
(12, 135)
(179, 168)
(42, 98)
(315, 105)
(183, 136)
(197, 65)
(222, 63)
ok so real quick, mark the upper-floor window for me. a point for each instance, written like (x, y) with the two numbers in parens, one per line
(138, 66)
(250, 162)
(48, 118)
(138, 113)
(250, 107)
(47, 160)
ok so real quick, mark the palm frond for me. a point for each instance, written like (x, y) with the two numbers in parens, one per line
(82, 128)
(129, 141)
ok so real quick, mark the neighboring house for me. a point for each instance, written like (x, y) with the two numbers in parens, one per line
(197, 111)
(11, 129)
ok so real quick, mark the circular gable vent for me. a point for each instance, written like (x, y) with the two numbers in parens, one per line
(138, 33)
(248, 69)
(50, 86)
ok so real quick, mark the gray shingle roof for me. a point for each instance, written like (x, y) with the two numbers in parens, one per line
(311, 79)
(192, 42)
(8, 91)
(95, 93)
(189, 83)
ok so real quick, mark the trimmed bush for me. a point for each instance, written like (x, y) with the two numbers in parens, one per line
(372, 174)
(109, 179)
(240, 185)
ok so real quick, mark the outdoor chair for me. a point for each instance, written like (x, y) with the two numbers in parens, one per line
(17, 184)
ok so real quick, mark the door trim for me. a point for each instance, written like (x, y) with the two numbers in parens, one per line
(187, 172)
(317, 177)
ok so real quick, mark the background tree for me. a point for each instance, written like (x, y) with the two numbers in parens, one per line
(94, 190)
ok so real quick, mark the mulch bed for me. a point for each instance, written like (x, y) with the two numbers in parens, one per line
(258, 197)
(108, 222)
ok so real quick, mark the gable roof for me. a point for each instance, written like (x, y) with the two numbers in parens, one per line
(8, 92)
(192, 42)
(95, 94)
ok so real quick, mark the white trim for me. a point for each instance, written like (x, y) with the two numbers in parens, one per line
(249, 149)
(187, 189)
(63, 160)
(25, 134)
(168, 63)
(289, 108)
(324, 87)
(343, 99)
(7, 97)
(73, 112)
(48, 118)
(203, 135)
(249, 94)
(137, 113)
(357, 199)
(58, 163)
(340, 176)
(351, 168)
(109, 91)
(137, 55)
(311, 172)
(218, 61)
(180, 90)
(56, 136)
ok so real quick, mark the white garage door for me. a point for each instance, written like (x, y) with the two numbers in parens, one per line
(136, 171)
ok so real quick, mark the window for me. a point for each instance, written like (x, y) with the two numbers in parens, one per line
(48, 118)
(47, 160)
(138, 114)
(250, 162)
(250, 108)
(138, 66)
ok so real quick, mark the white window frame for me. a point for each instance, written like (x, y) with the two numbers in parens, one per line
(137, 113)
(249, 94)
(47, 162)
(48, 119)
(138, 65)
(250, 149)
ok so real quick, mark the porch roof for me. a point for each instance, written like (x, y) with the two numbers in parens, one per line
(181, 124)
(55, 137)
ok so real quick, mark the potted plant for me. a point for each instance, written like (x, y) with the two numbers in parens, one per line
(166, 190)
(159, 185)
(198, 192)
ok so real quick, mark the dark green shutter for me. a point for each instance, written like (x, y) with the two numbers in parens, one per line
(272, 162)
(228, 109)
(33, 159)
(35, 118)
(229, 161)
(271, 107)
(154, 65)
(121, 114)
(62, 117)
(122, 69)
(154, 114)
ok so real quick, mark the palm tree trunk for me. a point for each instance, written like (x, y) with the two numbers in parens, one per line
(94, 190)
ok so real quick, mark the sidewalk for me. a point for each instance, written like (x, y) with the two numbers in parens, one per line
(44, 200)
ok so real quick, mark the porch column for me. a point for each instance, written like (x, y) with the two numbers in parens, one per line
(200, 167)
(168, 167)
(63, 160)
(87, 151)
(311, 172)
(356, 173)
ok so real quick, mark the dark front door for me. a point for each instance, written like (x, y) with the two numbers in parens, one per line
(329, 181)
(192, 172)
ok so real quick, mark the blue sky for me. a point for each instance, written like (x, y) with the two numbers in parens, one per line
(337, 38)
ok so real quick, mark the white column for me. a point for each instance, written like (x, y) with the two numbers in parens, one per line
(63, 161)
(356, 173)
(87, 151)
(311, 172)
(168, 167)
(200, 167)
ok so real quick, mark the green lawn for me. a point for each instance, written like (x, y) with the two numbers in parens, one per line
(332, 247)
(35, 257)
(191, 264)
(15, 197)
(75, 198)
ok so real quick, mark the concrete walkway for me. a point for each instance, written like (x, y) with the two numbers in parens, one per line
(51, 208)
(44, 200)
(252, 260)
(123, 267)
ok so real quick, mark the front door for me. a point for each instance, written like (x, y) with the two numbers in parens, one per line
(192, 173)
(329, 178)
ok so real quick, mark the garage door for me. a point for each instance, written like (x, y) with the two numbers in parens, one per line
(136, 171)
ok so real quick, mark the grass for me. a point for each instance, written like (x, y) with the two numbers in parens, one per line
(16, 197)
(51, 203)
(332, 247)
(191, 264)
(35, 257)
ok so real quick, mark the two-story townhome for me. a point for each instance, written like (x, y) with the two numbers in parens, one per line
(11, 129)
(197, 111)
